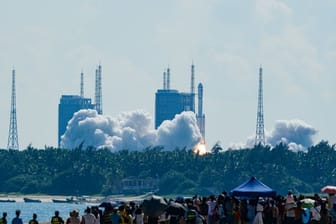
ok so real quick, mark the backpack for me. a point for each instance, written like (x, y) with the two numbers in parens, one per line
(191, 216)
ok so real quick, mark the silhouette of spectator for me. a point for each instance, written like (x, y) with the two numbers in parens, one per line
(17, 219)
(3, 220)
(56, 219)
(34, 220)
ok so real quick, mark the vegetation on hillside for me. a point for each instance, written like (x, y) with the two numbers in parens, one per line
(180, 171)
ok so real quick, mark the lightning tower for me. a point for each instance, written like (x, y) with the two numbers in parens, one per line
(260, 133)
(82, 85)
(168, 78)
(13, 142)
(98, 90)
(192, 86)
(164, 80)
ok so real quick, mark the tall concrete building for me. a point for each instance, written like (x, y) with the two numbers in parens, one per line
(170, 102)
(70, 104)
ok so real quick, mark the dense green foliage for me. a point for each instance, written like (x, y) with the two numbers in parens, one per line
(90, 171)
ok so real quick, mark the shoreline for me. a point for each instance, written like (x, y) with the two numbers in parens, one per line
(95, 199)
(49, 198)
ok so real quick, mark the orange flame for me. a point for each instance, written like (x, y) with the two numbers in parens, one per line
(200, 148)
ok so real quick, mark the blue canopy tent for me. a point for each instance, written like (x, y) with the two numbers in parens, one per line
(253, 188)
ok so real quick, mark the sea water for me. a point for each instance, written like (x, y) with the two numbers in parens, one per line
(44, 210)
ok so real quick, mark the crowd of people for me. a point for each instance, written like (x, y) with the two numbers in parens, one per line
(219, 209)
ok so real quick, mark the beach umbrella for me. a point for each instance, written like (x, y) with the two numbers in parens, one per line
(107, 204)
(176, 209)
(179, 199)
(154, 206)
(329, 189)
(307, 203)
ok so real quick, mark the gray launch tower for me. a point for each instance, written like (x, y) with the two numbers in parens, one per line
(98, 90)
(13, 141)
(260, 132)
(200, 116)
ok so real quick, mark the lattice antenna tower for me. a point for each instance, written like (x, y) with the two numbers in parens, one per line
(260, 132)
(13, 141)
(98, 90)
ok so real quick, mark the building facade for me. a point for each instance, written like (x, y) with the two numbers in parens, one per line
(169, 102)
(70, 104)
(140, 185)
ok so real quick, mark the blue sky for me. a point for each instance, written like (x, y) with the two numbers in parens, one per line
(50, 42)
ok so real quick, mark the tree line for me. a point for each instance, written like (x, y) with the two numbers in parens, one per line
(180, 171)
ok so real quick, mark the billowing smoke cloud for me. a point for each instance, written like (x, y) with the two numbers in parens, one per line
(181, 131)
(131, 130)
(297, 134)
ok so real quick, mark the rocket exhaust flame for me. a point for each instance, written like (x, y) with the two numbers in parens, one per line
(200, 148)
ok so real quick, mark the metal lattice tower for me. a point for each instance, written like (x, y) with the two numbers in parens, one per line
(260, 133)
(13, 141)
(98, 91)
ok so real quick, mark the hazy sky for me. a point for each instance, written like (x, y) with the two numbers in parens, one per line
(50, 42)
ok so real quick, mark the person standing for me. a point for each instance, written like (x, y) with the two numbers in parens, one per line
(139, 216)
(88, 217)
(191, 215)
(116, 217)
(203, 207)
(106, 216)
(17, 219)
(290, 207)
(332, 212)
(3, 220)
(211, 208)
(56, 219)
(258, 219)
(34, 220)
(315, 213)
(73, 218)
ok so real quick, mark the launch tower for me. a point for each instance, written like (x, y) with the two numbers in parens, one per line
(200, 116)
(98, 90)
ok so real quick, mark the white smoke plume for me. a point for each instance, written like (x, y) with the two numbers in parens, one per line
(182, 131)
(296, 134)
(131, 131)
